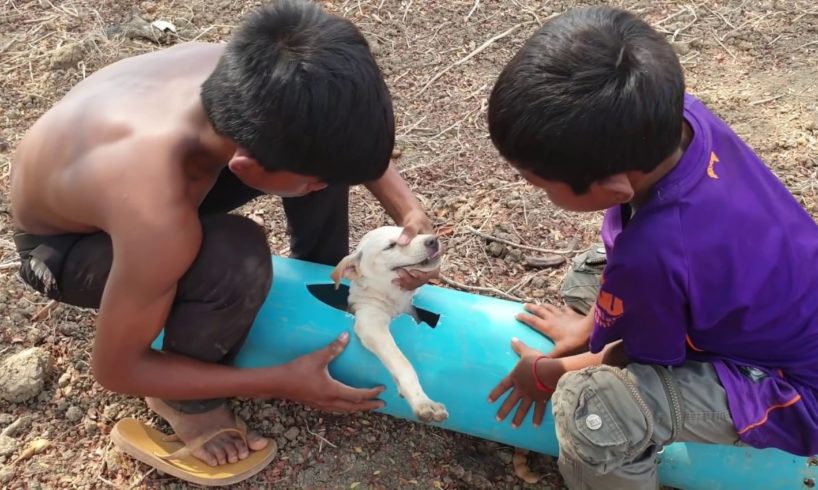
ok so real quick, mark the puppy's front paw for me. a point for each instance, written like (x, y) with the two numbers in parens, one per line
(429, 411)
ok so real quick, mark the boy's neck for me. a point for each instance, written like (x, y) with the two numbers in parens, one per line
(643, 183)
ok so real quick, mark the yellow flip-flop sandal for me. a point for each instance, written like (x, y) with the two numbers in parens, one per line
(173, 457)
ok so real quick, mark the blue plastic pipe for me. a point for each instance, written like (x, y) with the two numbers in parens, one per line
(459, 360)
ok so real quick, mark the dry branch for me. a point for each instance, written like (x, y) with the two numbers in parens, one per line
(520, 245)
(471, 55)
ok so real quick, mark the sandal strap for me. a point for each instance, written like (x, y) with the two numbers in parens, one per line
(240, 429)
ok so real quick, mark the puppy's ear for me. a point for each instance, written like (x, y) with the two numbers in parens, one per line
(348, 267)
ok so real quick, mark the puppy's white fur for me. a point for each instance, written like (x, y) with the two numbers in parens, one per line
(375, 300)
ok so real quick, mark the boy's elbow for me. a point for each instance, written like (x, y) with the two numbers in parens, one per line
(110, 374)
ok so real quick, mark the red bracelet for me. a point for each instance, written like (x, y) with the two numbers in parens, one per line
(540, 385)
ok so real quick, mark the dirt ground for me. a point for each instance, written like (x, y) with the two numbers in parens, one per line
(755, 62)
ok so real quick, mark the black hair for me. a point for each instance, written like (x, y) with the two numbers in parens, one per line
(593, 93)
(300, 90)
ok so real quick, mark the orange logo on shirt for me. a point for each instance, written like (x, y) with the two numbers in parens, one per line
(608, 309)
(713, 161)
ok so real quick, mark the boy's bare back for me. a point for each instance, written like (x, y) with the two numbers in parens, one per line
(124, 140)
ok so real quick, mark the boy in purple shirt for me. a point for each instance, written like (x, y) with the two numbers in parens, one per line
(705, 327)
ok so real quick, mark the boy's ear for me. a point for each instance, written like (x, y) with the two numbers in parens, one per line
(619, 185)
(347, 267)
(241, 162)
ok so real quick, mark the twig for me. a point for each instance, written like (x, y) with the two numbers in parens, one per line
(471, 55)
(406, 11)
(482, 289)
(811, 43)
(723, 46)
(141, 478)
(476, 4)
(687, 26)
(671, 16)
(44, 311)
(520, 245)
(769, 99)
(319, 436)
(9, 44)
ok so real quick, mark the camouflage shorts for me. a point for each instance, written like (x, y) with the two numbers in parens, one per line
(581, 285)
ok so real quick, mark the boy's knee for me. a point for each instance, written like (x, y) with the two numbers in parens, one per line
(236, 253)
(601, 419)
(580, 287)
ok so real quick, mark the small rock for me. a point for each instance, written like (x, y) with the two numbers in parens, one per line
(539, 282)
(90, 427)
(496, 249)
(17, 427)
(6, 474)
(396, 153)
(538, 293)
(111, 411)
(149, 7)
(69, 329)
(113, 460)
(73, 414)
(7, 445)
(22, 376)
(65, 378)
(505, 456)
(67, 56)
(268, 412)
(6, 419)
(278, 429)
(681, 48)
(515, 255)
(245, 413)
(35, 336)
(292, 433)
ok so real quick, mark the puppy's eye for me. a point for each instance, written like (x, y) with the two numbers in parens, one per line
(391, 245)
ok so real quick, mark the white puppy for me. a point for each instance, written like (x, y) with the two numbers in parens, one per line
(375, 300)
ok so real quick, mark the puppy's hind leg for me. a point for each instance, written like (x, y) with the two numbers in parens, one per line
(373, 330)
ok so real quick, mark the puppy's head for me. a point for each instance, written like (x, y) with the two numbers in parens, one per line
(378, 256)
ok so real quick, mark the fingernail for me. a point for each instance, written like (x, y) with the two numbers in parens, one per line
(514, 426)
(343, 336)
(536, 425)
(515, 339)
(498, 418)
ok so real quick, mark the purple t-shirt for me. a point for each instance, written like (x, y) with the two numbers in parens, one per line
(721, 264)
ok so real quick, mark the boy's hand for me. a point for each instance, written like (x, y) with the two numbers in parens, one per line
(568, 329)
(523, 386)
(416, 223)
(313, 386)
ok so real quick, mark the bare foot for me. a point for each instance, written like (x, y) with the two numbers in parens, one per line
(222, 449)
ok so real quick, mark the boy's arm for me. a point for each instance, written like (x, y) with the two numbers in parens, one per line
(528, 390)
(151, 252)
(402, 205)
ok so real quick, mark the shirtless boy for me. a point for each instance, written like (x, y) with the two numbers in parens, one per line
(121, 194)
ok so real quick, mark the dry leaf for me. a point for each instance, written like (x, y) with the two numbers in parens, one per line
(34, 447)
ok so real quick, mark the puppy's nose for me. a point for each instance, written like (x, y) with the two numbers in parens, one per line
(432, 243)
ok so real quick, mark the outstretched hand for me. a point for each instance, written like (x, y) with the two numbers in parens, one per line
(523, 386)
(568, 329)
(313, 386)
